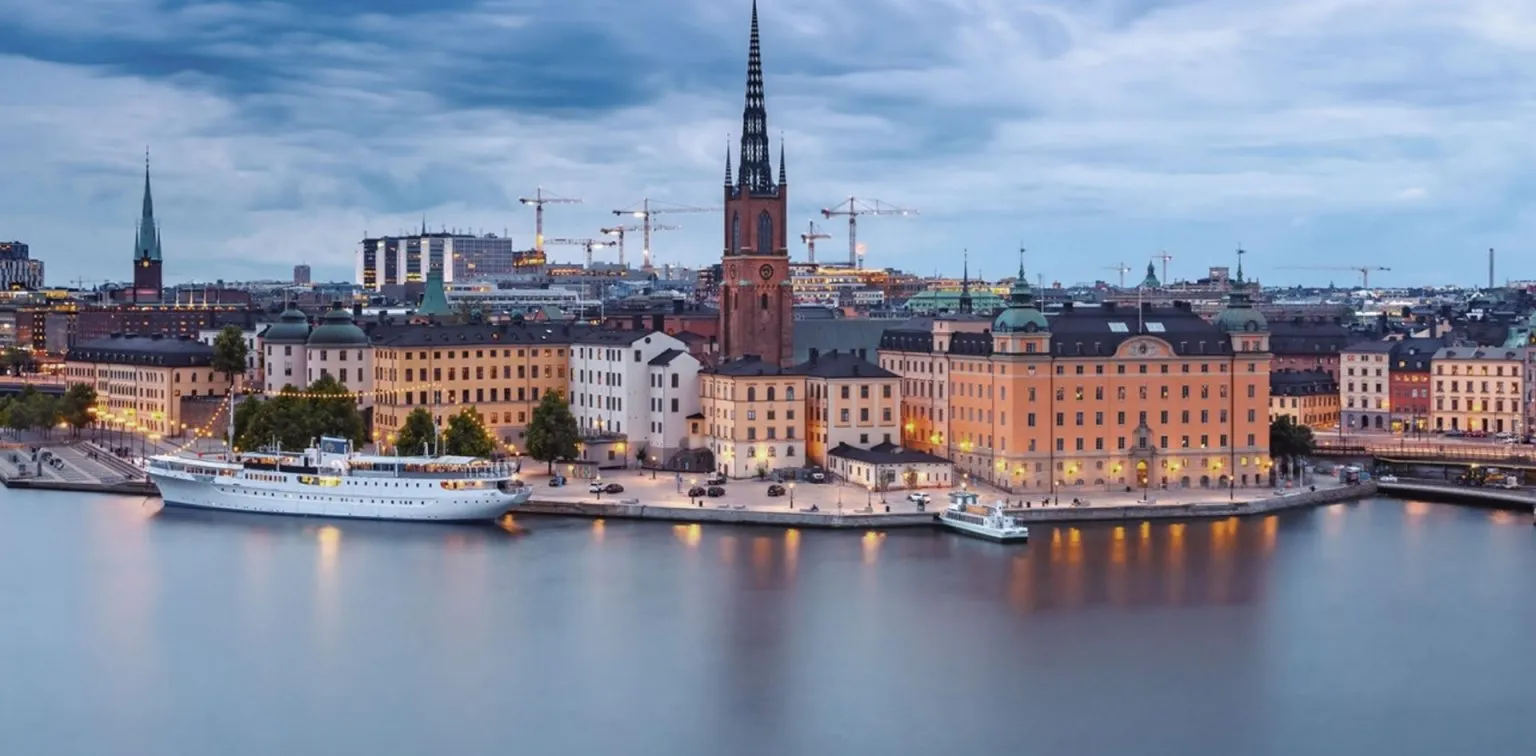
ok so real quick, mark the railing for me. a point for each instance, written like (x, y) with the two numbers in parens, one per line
(1430, 451)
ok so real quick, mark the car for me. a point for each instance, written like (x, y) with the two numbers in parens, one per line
(718, 479)
(816, 476)
(715, 491)
(776, 490)
(1454, 434)
(595, 486)
(918, 497)
(613, 488)
(557, 481)
(1386, 478)
(697, 492)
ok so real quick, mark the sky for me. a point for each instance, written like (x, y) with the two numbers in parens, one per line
(1094, 133)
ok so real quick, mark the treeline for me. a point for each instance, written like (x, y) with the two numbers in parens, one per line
(35, 410)
(296, 417)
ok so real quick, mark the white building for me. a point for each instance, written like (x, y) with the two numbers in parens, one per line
(282, 352)
(621, 399)
(1365, 387)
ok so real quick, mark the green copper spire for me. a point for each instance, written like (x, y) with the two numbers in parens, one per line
(147, 245)
(434, 302)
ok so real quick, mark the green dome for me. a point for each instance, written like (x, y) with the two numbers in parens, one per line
(1236, 319)
(1020, 319)
(292, 327)
(337, 329)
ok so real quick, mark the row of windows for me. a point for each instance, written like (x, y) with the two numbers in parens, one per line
(455, 354)
(455, 374)
(460, 397)
(1498, 370)
(1081, 443)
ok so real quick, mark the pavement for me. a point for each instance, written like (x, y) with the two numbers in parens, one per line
(833, 498)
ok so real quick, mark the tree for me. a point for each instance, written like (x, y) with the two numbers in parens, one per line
(230, 353)
(466, 435)
(909, 476)
(640, 452)
(75, 407)
(418, 430)
(552, 430)
(1289, 441)
(333, 411)
(294, 418)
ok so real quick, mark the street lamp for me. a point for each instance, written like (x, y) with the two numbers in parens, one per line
(791, 495)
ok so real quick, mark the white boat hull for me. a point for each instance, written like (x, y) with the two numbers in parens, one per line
(1008, 535)
(429, 503)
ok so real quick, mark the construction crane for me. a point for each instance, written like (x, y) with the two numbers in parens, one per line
(853, 208)
(646, 212)
(619, 231)
(539, 200)
(809, 239)
(1122, 268)
(1365, 271)
(589, 244)
(1165, 257)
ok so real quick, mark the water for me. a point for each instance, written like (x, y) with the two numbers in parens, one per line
(1379, 627)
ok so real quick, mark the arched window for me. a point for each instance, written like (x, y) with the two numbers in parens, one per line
(770, 393)
(751, 394)
(763, 298)
(764, 233)
(735, 233)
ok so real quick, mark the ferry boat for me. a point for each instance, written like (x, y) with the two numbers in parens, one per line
(968, 516)
(332, 481)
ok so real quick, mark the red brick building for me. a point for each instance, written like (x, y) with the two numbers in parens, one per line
(1408, 384)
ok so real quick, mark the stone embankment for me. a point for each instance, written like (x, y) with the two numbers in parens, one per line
(1516, 499)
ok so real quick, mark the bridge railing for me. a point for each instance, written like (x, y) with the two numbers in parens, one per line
(1430, 451)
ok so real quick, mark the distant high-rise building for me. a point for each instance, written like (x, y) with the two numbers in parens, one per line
(392, 260)
(17, 270)
(147, 280)
(300, 275)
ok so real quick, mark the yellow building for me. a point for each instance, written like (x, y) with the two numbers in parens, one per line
(754, 416)
(142, 382)
(1103, 397)
(848, 401)
(1478, 389)
(502, 369)
(1307, 397)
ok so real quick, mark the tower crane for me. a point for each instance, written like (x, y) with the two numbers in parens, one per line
(539, 200)
(590, 245)
(646, 211)
(619, 232)
(1165, 257)
(1122, 268)
(809, 238)
(1365, 271)
(853, 208)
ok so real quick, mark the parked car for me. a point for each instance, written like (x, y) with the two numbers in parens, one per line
(1454, 434)
(715, 491)
(613, 488)
(776, 490)
(597, 486)
(718, 479)
(557, 481)
(918, 497)
(697, 492)
(816, 476)
(1386, 478)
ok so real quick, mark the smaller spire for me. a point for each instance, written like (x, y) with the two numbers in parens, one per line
(423, 224)
(1240, 253)
(965, 283)
(783, 177)
(727, 159)
(1022, 277)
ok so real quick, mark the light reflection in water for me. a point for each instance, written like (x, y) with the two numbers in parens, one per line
(762, 556)
(1175, 563)
(1119, 577)
(727, 549)
(326, 607)
(1271, 533)
(599, 529)
(791, 552)
(871, 546)
(689, 535)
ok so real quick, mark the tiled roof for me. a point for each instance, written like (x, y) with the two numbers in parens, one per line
(154, 351)
(666, 358)
(840, 365)
(885, 454)
(480, 334)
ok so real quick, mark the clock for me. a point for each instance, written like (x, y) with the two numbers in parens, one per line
(766, 271)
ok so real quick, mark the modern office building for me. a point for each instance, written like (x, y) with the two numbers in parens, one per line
(17, 269)
(394, 260)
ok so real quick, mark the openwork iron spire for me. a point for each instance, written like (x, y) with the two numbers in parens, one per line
(727, 159)
(755, 168)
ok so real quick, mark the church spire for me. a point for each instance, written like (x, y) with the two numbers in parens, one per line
(755, 166)
(965, 285)
(727, 159)
(783, 172)
(147, 244)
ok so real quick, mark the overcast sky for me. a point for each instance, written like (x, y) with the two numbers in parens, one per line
(1093, 132)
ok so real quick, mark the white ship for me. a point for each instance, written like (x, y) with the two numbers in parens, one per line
(331, 481)
(982, 520)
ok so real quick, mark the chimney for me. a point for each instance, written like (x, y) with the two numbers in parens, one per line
(357, 310)
(863, 353)
(637, 322)
(677, 306)
(855, 369)
(1109, 307)
(659, 322)
(815, 354)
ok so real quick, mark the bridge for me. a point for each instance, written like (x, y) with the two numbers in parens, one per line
(1452, 454)
(1512, 499)
(11, 386)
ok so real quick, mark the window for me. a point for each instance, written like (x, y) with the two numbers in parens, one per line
(764, 238)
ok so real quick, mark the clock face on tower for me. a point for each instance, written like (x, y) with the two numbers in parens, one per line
(766, 271)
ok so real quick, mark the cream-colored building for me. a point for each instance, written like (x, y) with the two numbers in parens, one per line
(1478, 389)
(754, 416)
(142, 381)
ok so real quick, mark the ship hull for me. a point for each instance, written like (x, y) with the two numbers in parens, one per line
(226, 494)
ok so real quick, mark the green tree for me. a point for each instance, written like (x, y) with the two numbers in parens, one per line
(466, 435)
(75, 407)
(1289, 441)
(230, 353)
(332, 411)
(552, 430)
(283, 420)
(418, 431)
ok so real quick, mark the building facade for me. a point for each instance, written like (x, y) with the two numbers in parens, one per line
(756, 292)
(849, 403)
(1364, 386)
(1479, 389)
(301, 275)
(395, 260)
(1109, 398)
(1307, 397)
(1408, 382)
(254, 358)
(143, 382)
(17, 269)
(754, 416)
(630, 386)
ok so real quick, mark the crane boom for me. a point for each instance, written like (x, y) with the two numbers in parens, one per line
(539, 200)
(646, 212)
(589, 244)
(809, 239)
(1165, 257)
(1364, 270)
(853, 208)
(1122, 268)
(619, 231)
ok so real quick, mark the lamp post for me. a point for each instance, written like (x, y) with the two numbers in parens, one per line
(791, 495)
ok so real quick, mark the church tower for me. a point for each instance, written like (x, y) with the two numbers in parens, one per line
(147, 280)
(756, 301)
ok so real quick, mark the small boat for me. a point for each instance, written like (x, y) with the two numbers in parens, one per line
(968, 516)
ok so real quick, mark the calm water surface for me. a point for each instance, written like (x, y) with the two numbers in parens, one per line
(1380, 627)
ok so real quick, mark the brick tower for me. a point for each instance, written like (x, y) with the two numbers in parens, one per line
(756, 301)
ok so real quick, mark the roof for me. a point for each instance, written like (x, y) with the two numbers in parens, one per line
(337, 329)
(156, 351)
(666, 358)
(1085, 332)
(886, 454)
(749, 365)
(611, 336)
(1477, 353)
(434, 301)
(292, 327)
(1301, 383)
(1372, 347)
(837, 364)
(1299, 338)
(1414, 355)
(483, 334)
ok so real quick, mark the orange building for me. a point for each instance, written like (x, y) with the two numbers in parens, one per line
(1093, 397)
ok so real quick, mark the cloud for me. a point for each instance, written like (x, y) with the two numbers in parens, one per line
(1093, 133)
